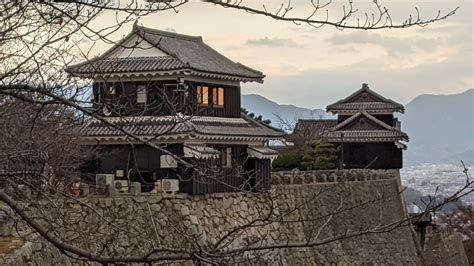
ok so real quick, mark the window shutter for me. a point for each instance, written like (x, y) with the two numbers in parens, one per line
(220, 100)
(205, 95)
(168, 161)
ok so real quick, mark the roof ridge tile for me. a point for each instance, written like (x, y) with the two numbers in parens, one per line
(138, 28)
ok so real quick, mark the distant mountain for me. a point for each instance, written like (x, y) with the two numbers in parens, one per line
(273, 111)
(441, 127)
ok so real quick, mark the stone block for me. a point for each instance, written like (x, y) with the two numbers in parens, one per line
(333, 177)
(6, 227)
(119, 201)
(140, 199)
(155, 207)
(227, 202)
(36, 246)
(25, 191)
(194, 219)
(106, 203)
(244, 207)
(185, 210)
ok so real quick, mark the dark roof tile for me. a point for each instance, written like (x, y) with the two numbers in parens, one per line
(311, 128)
(365, 99)
(162, 126)
(186, 53)
(131, 64)
(330, 130)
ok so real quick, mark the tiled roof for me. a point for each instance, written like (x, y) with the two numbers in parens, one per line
(384, 133)
(365, 135)
(141, 126)
(131, 64)
(261, 152)
(311, 128)
(172, 126)
(379, 105)
(186, 53)
(329, 130)
(373, 107)
(200, 151)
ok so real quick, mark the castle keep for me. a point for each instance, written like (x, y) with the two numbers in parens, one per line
(176, 92)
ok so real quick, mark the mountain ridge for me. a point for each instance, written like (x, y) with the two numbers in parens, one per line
(279, 114)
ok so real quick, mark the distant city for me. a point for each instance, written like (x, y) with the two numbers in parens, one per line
(443, 179)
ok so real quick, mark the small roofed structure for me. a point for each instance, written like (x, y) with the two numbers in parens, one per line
(366, 132)
(175, 92)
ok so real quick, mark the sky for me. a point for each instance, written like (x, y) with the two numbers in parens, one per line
(310, 67)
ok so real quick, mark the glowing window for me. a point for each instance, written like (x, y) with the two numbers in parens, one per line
(203, 95)
(218, 97)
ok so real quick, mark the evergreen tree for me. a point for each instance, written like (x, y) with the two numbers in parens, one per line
(326, 156)
(320, 156)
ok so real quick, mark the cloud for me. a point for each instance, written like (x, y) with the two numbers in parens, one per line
(394, 46)
(347, 50)
(315, 88)
(272, 42)
(399, 64)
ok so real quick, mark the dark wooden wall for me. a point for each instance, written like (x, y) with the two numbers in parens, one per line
(163, 98)
(387, 119)
(140, 158)
(215, 184)
(145, 162)
(360, 155)
(263, 174)
(226, 180)
(231, 101)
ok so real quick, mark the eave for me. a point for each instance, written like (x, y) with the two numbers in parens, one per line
(185, 72)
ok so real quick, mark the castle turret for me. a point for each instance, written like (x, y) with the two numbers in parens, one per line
(366, 132)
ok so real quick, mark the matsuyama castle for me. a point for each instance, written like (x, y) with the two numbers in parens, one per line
(176, 93)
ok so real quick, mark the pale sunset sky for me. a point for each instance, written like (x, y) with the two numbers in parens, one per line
(311, 67)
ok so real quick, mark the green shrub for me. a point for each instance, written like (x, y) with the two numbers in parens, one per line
(319, 156)
(287, 161)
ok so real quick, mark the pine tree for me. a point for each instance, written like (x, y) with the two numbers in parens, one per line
(320, 156)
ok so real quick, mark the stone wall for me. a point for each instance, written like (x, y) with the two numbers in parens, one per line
(36, 253)
(331, 176)
(133, 225)
(445, 248)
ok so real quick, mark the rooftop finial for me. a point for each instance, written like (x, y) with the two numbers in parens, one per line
(365, 86)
